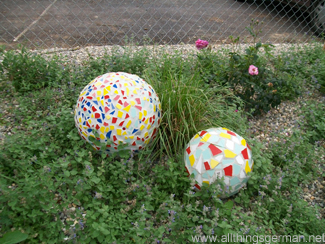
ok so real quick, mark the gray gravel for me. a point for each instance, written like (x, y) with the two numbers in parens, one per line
(78, 55)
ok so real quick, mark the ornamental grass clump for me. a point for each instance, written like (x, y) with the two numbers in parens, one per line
(186, 107)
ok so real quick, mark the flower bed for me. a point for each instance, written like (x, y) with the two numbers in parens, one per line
(55, 187)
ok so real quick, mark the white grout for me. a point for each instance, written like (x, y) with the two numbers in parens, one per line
(34, 22)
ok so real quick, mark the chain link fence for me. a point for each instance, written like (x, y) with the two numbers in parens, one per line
(71, 23)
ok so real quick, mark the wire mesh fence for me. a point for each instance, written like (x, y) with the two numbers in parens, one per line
(71, 23)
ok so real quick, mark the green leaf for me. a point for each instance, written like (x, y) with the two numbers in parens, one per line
(228, 206)
(95, 179)
(237, 200)
(74, 172)
(224, 225)
(13, 237)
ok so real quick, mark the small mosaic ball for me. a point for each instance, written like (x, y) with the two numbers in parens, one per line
(219, 153)
(118, 109)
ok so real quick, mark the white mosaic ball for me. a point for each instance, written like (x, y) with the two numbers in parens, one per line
(122, 108)
(219, 153)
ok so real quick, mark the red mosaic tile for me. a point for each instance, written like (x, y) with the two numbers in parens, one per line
(214, 150)
(244, 153)
(228, 170)
(200, 144)
(207, 166)
(197, 186)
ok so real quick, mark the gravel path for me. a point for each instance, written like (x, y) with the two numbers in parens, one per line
(78, 55)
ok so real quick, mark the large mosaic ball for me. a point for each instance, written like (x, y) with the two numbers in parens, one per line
(118, 108)
(219, 153)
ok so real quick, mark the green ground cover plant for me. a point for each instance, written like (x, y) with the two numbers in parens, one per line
(28, 71)
(314, 121)
(47, 171)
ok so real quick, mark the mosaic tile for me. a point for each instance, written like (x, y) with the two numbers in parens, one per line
(206, 154)
(230, 145)
(228, 170)
(234, 181)
(205, 176)
(221, 143)
(210, 173)
(213, 163)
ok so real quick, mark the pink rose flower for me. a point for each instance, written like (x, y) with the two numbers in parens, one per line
(200, 44)
(253, 70)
